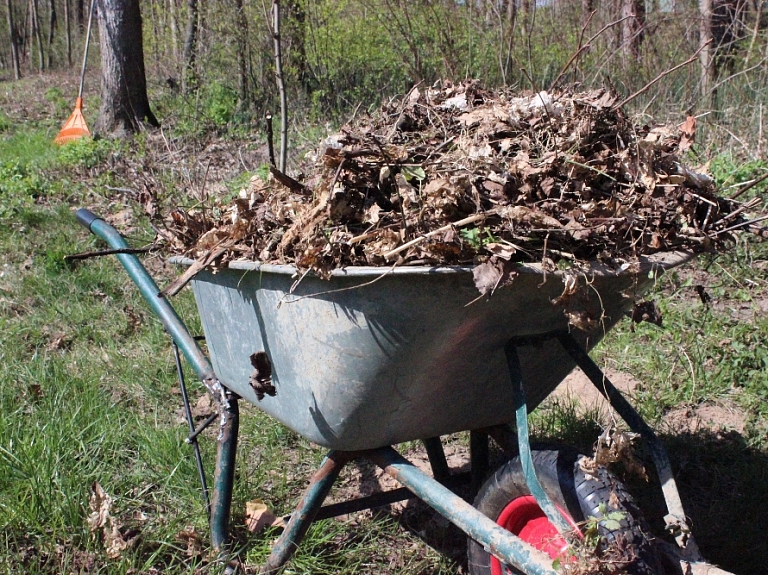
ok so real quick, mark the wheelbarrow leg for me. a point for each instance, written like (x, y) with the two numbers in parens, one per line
(225, 476)
(524, 444)
(479, 455)
(675, 520)
(302, 517)
(437, 461)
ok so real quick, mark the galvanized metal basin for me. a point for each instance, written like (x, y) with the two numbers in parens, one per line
(375, 356)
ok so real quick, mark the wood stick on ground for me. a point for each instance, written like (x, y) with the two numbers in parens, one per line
(270, 139)
(287, 180)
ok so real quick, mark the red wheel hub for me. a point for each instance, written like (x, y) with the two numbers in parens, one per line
(523, 517)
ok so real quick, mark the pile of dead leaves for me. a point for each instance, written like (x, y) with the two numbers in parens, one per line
(457, 175)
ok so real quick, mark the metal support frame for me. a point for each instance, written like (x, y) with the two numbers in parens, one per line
(224, 478)
(523, 441)
(480, 463)
(497, 540)
(675, 519)
(225, 461)
(193, 433)
(509, 548)
(306, 511)
(437, 461)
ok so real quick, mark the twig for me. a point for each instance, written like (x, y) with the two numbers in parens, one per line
(86, 255)
(742, 225)
(270, 137)
(363, 237)
(312, 295)
(749, 205)
(209, 257)
(645, 88)
(760, 64)
(468, 220)
(588, 167)
(287, 180)
(584, 47)
(750, 186)
(336, 178)
(203, 196)
(280, 84)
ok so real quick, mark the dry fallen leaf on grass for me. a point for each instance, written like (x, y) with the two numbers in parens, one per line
(100, 518)
(258, 516)
(192, 539)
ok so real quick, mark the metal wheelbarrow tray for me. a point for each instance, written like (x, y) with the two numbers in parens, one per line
(377, 356)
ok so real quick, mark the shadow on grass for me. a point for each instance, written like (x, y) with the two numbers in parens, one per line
(723, 483)
(724, 487)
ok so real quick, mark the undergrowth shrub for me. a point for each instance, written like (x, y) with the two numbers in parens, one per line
(86, 152)
(19, 186)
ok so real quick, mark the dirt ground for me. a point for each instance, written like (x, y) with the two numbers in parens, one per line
(711, 417)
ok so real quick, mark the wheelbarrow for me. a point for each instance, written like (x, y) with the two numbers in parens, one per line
(379, 356)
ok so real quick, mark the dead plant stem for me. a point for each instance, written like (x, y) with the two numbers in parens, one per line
(664, 74)
(463, 222)
(584, 46)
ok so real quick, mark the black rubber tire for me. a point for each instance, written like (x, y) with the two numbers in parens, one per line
(578, 493)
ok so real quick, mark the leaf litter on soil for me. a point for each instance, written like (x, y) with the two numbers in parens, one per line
(461, 175)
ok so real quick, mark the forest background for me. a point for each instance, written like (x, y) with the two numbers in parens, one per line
(340, 55)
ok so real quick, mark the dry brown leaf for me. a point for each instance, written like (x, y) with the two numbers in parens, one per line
(192, 539)
(258, 516)
(100, 518)
(504, 251)
(647, 311)
(494, 273)
(688, 134)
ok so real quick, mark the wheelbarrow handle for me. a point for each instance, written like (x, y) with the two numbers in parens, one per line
(86, 217)
(151, 293)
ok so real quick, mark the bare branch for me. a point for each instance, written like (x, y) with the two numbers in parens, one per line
(645, 88)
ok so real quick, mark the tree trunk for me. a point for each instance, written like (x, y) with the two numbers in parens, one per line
(174, 25)
(68, 31)
(511, 10)
(124, 103)
(14, 41)
(242, 54)
(80, 14)
(188, 77)
(632, 29)
(706, 55)
(52, 23)
(38, 37)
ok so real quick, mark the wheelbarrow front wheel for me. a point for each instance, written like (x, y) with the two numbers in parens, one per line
(595, 503)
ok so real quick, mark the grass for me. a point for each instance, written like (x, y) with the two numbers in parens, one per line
(90, 395)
